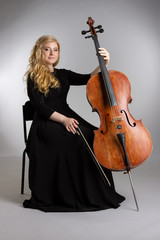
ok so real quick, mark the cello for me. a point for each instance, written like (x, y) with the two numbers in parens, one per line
(121, 143)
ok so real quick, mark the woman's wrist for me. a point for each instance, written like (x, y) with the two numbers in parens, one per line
(58, 117)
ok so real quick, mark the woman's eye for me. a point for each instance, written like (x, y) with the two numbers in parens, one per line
(49, 50)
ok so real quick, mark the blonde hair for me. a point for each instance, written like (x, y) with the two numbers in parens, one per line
(38, 69)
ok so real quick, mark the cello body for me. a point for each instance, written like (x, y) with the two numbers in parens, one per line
(120, 143)
(115, 120)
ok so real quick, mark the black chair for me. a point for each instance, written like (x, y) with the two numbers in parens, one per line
(28, 114)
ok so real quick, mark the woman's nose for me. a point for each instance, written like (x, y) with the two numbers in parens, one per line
(51, 52)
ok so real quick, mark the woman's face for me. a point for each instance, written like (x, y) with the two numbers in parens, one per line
(50, 53)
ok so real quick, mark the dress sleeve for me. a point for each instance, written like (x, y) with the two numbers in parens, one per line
(38, 100)
(77, 78)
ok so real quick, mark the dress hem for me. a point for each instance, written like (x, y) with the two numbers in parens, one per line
(50, 208)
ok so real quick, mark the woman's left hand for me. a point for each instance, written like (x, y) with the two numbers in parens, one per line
(105, 54)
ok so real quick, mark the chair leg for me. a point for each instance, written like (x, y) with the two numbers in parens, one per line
(23, 172)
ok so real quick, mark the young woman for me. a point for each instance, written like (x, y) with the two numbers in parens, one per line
(62, 175)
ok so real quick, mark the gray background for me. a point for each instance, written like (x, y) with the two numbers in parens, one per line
(131, 35)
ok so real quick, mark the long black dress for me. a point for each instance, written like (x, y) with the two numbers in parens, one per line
(62, 175)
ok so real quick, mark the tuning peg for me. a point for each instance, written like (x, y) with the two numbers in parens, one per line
(88, 37)
(84, 32)
(99, 27)
(100, 31)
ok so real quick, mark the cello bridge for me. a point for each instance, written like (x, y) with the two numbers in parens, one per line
(115, 119)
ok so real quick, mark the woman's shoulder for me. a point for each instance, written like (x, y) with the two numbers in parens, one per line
(62, 70)
(63, 73)
(73, 77)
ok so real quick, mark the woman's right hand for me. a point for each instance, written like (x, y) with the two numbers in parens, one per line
(70, 124)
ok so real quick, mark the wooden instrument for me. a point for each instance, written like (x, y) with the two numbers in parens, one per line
(121, 142)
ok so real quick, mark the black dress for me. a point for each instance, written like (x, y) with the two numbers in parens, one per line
(62, 175)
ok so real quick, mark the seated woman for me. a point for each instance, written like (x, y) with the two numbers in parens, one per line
(62, 174)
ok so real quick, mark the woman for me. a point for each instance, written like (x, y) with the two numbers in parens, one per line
(62, 175)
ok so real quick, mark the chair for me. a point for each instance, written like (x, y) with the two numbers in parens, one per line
(28, 114)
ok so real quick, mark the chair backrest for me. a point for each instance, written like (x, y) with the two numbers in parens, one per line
(28, 114)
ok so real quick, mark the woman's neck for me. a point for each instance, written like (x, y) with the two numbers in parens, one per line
(51, 68)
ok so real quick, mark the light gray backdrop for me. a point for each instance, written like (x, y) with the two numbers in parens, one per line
(131, 35)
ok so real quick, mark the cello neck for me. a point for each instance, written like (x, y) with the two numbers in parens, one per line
(107, 83)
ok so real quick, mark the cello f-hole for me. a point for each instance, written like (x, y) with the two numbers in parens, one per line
(106, 115)
(134, 124)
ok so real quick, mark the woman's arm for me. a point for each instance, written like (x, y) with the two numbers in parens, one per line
(38, 100)
(70, 123)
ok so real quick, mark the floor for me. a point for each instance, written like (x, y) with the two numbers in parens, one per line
(17, 223)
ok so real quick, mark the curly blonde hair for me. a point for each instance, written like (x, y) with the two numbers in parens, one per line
(38, 69)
